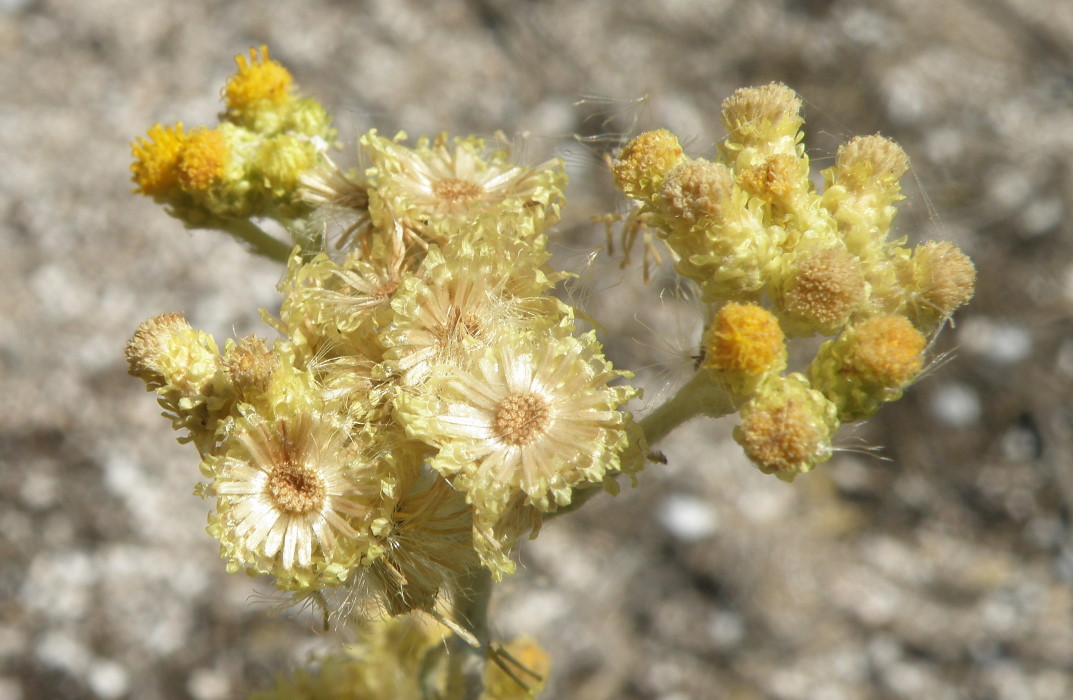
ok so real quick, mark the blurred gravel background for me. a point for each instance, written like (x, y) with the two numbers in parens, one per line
(944, 572)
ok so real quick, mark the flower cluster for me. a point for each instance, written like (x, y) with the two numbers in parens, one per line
(248, 164)
(775, 259)
(427, 400)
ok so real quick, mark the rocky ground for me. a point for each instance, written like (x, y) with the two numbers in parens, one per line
(942, 570)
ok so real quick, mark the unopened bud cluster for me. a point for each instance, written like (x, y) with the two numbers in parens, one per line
(249, 163)
(778, 259)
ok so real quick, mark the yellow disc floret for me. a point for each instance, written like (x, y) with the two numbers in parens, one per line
(640, 168)
(156, 159)
(203, 160)
(825, 287)
(786, 428)
(887, 350)
(744, 338)
(259, 79)
(869, 364)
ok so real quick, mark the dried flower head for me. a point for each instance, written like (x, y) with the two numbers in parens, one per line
(425, 545)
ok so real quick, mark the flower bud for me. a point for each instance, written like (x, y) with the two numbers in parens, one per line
(869, 364)
(762, 117)
(870, 163)
(145, 349)
(640, 168)
(824, 288)
(743, 345)
(696, 190)
(786, 428)
(938, 280)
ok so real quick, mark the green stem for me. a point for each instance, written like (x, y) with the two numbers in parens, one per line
(258, 240)
(465, 669)
(700, 396)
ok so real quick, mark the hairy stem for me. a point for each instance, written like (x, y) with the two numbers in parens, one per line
(465, 670)
(700, 396)
(258, 240)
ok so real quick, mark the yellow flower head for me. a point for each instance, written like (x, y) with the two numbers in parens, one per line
(640, 168)
(183, 366)
(456, 181)
(743, 343)
(203, 160)
(870, 363)
(786, 428)
(729, 251)
(694, 191)
(766, 117)
(938, 279)
(458, 306)
(870, 162)
(156, 160)
(258, 80)
(150, 342)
